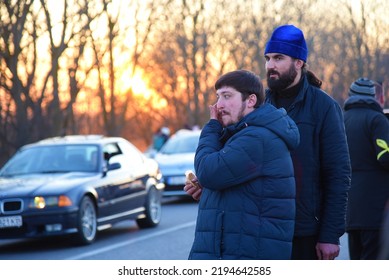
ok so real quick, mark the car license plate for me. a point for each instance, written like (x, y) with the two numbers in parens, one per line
(177, 180)
(11, 221)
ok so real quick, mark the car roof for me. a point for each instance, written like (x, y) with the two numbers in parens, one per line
(77, 139)
(187, 132)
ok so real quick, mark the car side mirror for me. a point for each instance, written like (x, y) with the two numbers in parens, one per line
(114, 166)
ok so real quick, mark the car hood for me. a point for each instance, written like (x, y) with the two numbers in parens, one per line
(43, 183)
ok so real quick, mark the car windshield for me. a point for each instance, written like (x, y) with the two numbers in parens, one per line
(53, 159)
(181, 144)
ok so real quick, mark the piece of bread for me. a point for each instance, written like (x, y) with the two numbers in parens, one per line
(190, 176)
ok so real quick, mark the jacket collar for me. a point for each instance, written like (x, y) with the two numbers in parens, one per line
(229, 131)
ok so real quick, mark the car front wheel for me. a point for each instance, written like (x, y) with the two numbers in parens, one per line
(87, 222)
(153, 210)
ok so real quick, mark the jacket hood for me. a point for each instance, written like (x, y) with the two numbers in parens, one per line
(276, 120)
(362, 101)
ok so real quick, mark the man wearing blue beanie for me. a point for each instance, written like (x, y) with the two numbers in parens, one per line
(321, 162)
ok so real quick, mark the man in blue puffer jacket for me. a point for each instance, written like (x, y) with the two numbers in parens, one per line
(243, 164)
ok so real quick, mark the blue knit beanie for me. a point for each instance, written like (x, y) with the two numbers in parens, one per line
(288, 40)
(362, 86)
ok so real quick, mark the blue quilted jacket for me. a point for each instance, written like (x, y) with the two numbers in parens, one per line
(247, 206)
(321, 164)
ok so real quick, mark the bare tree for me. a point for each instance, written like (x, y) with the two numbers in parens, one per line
(62, 68)
(17, 73)
(37, 106)
(116, 103)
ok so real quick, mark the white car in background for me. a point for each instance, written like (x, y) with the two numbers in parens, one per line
(176, 157)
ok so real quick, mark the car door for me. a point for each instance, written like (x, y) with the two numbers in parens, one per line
(126, 187)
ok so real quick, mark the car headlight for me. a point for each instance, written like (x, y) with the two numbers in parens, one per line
(40, 202)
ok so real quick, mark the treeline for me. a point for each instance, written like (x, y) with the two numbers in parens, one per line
(73, 66)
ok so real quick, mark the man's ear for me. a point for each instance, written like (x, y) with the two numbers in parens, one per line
(299, 63)
(251, 101)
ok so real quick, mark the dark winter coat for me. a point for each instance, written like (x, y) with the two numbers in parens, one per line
(321, 164)
(247, 206)
(366, 123)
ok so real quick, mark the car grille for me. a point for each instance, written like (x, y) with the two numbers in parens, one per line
(13, 206)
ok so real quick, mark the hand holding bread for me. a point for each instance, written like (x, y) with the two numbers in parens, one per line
(192, 179)
(192, 185)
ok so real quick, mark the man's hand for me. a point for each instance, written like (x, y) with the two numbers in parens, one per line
(193, 188)
(214, 112)
(327, 251)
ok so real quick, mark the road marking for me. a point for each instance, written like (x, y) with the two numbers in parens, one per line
(142, 238)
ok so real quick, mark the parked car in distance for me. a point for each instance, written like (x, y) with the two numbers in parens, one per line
(175, 158)
(78, 185)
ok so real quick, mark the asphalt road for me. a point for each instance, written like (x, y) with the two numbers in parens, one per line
(171, 240)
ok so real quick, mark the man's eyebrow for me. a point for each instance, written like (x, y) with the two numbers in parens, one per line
(276, 55)
(224, 91)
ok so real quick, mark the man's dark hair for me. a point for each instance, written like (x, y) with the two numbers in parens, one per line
(312, 78)
(244, 81)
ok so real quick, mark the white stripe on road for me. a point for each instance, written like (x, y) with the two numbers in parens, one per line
(142, 238)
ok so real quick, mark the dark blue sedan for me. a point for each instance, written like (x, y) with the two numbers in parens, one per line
(78, 185)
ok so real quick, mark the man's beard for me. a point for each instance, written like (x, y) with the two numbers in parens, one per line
(239, 116)
(284, 80)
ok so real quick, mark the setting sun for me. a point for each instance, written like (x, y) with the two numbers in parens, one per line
(139, 83)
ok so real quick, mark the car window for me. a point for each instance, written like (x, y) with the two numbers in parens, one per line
(110, 150)
(82, 158)
(181, 144)
(53, 159)
(22, 162)
(130, 158)
(134, 156)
